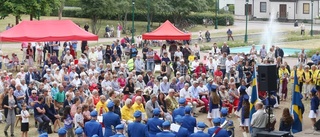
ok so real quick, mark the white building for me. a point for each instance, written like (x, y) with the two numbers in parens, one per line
(282, 9)
(225, 3)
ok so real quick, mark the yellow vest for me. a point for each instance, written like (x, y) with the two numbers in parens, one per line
(314, 76)
(299, 74)
(130, 64)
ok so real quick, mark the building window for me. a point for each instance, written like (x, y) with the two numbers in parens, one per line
(306, 8)
(263, 6)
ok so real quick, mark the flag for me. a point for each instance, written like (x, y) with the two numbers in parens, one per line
(254, 94)
(296, 106)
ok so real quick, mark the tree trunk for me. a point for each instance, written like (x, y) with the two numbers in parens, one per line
(31, 17)
(60, 10)
(17, 20)
(94, 23)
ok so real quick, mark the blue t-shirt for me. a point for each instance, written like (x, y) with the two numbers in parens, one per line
(36, 113)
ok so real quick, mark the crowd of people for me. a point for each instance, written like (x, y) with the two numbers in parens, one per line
(120, 90)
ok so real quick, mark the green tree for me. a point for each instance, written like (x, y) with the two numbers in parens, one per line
(96, 10)
(180, 8)
(14, 7)
(122, 10)
(156, 6)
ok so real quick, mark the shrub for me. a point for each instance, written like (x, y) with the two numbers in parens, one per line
(197, 18)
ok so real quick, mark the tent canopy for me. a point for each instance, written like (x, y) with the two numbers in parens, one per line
(46, 30)
(167, 31)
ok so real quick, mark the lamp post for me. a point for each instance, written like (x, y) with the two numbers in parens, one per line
(246, 33)
(217, 10)
(148, 27)
(311, 32)
(132, 31)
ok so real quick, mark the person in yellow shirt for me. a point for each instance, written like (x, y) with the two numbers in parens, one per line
(299, 75)
(171, 101)
(281, 72)
(101, 106)
(307, 80)
(127, 111)
(314, 72)
(191, 57)
(294, 68)
(138, 106)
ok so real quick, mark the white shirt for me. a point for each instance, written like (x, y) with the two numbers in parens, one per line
(78, 118)
(99, 55)
(184, 93)
(229, 63)
(93, 56)
(83, 61)
(22, 74)
(24, 114)
(194, 65)
(203, 89)
(178, 54)
(68, 58)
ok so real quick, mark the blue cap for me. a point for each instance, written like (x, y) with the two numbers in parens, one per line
(44, 135)
(187, 109)
(95, 135)
(216, 120)
(224, 111)
(245, 97)
(79, 130)
(166, 124)
(182, 101)
(93, 113)
(62, 131)
(178, 119)
(314, 90)
(242, 89)
(120, 126)
(213, 88)
(110, 104)
(156, 111)
(201, 125)
(137, 114)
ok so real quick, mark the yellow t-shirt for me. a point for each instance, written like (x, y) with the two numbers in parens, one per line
(103, 106)
(191, 58)
(127, 113)
(299, 74)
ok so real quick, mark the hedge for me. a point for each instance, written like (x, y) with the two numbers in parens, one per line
(158, 17)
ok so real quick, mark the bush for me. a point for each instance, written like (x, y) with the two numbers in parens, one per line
(197, 18)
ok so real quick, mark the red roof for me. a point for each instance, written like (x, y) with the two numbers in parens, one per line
(46, 30)
(167, 31)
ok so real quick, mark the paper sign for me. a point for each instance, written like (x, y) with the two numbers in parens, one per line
(144, 115)
(100, 118)
(195, 130)
(174, 127)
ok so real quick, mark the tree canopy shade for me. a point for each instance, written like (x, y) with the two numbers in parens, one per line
(167, 31)
(46, 30)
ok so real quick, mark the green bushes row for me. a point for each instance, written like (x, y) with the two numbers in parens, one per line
(158, 17)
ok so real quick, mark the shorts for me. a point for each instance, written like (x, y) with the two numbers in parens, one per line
(313, 115)
(215, 113)
(24, 127)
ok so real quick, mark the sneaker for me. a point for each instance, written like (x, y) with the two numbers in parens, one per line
(6, 133)
(12, 135)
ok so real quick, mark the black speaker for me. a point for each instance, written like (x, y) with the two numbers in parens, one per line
(273, 134)
(267, 77)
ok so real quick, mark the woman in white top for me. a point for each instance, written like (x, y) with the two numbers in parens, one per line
(39, 52)
(57, 76)
(204, 94)
(83, 60)
(196, 50)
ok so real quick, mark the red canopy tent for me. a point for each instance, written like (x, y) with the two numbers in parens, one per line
(167, 31)
(46, 30)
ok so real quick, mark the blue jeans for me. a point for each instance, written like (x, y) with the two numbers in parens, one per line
(43, 121)
(150, 66)
(0, 65)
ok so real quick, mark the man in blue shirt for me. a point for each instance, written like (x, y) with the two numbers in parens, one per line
(154, 123)
(189, 122)
(93, 127)
(166, 130)
(200, 133)
(180, 110)
(39, 115)
(110, 119)
(315, 58)
(182, 132)
(165, 86)
(216, 130)
(136, 128)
